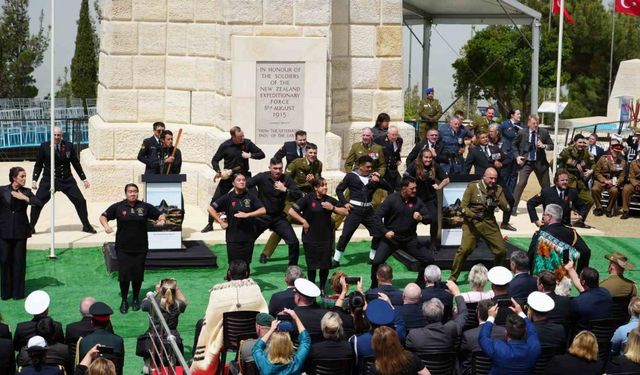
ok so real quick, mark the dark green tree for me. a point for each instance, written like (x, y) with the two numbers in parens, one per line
(20, 52)
(84, 65)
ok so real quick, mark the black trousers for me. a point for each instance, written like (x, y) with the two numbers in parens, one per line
(13, 256)
(434, 213)
(357, 216)
(389, 246)
(69, 188)
(282, 227)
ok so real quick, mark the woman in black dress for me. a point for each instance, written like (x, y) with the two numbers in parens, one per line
(132, 244)
(314, 211)
(240, 207)
(14, 231)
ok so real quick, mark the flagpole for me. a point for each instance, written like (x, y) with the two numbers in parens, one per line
(558, 76)
(52, 109)
(613, 33)
(550, 12)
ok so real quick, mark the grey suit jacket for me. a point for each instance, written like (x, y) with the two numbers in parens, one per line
(522, 140)
(438, 336)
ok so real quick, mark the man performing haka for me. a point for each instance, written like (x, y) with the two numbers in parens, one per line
(362, 184)
(479, 202)
(235, 153)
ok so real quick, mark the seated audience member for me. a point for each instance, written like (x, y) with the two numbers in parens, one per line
(101, 319)
(36, 304)
(593, 302)
(519, 353)
(619, 339)
(334, 345)
(336, 287)
(411, 309)
(629, 362)
(37, 350)
(436, 335)
(237, 294)
(384, 275)
(263, 324)
(5, 331)
(500, 277)
(478, 280)
(561, 312)
(94, 364)
(342, 306)
(582, 358)
(81, 328)
(469, 343)
(57, 352)
(390, 356)
(435, 288)
(356, 304)
(378, 313)
(282, 357)
(522, 283)
(616, 283)
(284, 299)
(550, 334)
(309, 312)
(7, 356)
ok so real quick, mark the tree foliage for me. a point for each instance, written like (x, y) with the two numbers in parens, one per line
(20, 52)
(84, 65)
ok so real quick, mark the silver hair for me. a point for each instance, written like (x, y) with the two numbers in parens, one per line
(432, 274)
(433, 310)
(293, 273)
(494, 126)
(478, 276)
(85, 305)
(393, 127)
(331, 325)
(367, 128)
(555, 211)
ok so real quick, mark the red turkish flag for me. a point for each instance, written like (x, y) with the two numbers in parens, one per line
(567, 16)
(631, 7)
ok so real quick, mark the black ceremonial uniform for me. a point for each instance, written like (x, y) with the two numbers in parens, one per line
(392, 158)
(396, 214)
(149, 154)
(274, 201)
(428, 195)
(317, 240)
(241, 233)
(291, 151)
(14, 231)
(65, 156)
(131, 237)
(158, 165)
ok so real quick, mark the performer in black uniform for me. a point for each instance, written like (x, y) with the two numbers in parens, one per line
(235, 154)
(241, 208)
(273, 189)
(131, 241)
(398, 217)
(149, 151)
(362, 184)
(65, 156)
(14, 231)
(161, 156)
(430, 178)
(313, 211)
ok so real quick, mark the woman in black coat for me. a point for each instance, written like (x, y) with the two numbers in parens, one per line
(629, 362)
(582, 357)
(14, 231)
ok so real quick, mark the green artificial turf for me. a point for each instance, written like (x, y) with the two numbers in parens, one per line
(81, 272)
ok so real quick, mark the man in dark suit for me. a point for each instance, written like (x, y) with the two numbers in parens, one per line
(100, 318)
(432, 142)
(164, 156)
(530, 146)
(436, 335)
(293, 149)
(392, 146)
(149, 151)
(435, 288)
(7, 357)
(561, 194)
(411, 309)
(384, 275)
(284, 299)
(81, 328)
(36, 304)
(309, 312)
(593, 148)
(65, 157)
(594, 302)
(469, 343)
(550, 334)
(561, 312)
(522, 283)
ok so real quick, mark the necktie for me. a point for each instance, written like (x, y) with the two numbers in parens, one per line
(486, 151)
(561, 194)
(57, 147)
(300, 151)
(532, 147)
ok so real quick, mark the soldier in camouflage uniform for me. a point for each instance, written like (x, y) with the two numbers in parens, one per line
(579, 162)
(302, 170)
(609, 175)
(479, 202)
(429, 111)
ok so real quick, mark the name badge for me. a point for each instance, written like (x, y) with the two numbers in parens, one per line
(460, 141)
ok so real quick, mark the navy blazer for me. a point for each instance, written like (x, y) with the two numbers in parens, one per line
(289, 150)
(592, 304)
(443, 295)
(281, 300)
(521, 286)
(14, 222)
(412, 315)
(394, 294)
(511, 357)
(149, 155)
(508, 131)
(599, 151)
(561, 312)
(478, 159)
(550, 195)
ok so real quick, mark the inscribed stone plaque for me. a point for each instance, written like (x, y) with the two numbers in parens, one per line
(279, 101)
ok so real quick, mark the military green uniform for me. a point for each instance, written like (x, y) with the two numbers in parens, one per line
(608, 168)
(105, 338)
(298, 169)
(429, 111)
(619, 286)
(577, 161)
(482, 126)
(478, 209)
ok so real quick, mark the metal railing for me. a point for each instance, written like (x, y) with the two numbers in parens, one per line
(157, 349)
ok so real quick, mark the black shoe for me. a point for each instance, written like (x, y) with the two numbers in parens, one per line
(335, 263)
(514, 212)
(263, 259)
(89, 229)
(597, 212)
(507, 226)
(33, 230)
(581, 224)
(369, 261)
(625, 215)
(124, 307)
(610, 213)
(207, 228)
(135, 304)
